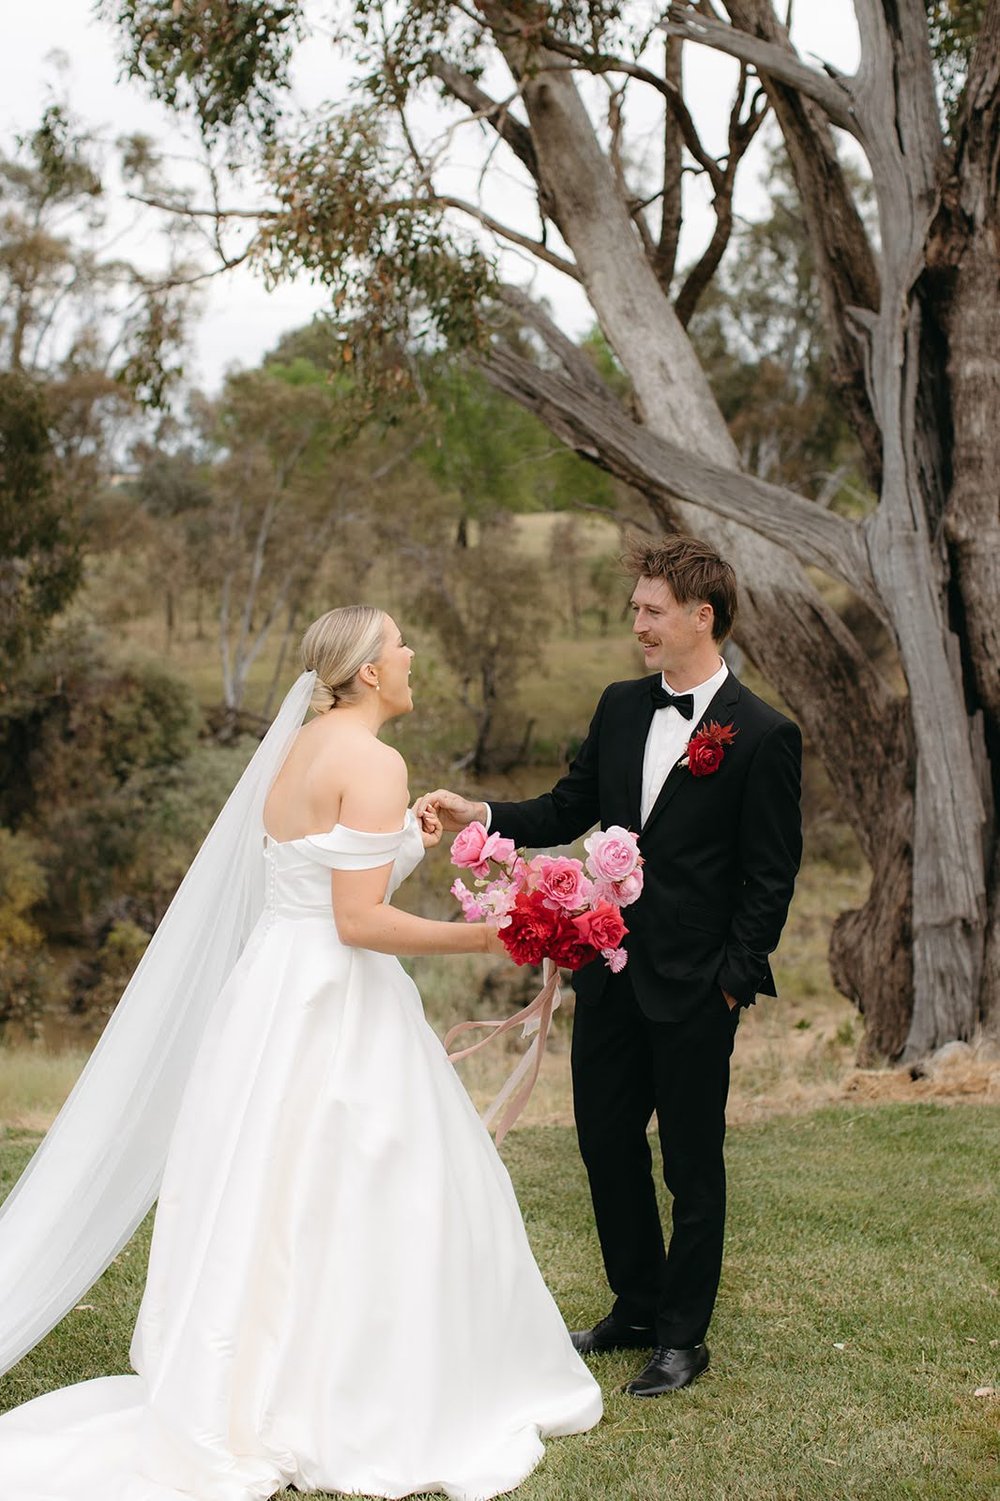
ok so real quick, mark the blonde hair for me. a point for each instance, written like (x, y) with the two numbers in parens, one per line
(336, 647)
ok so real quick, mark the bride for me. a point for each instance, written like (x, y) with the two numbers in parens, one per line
(340, 1294)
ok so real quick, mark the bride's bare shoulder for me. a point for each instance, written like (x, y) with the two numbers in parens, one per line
(363, 777)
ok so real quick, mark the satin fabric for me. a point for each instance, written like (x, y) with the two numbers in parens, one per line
(340, 1294)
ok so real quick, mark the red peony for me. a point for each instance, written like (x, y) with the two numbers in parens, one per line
(706, 749)
(528, 935)
(567, 949)
(601, 928)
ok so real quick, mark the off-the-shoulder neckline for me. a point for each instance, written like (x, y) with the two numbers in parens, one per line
(325, 833)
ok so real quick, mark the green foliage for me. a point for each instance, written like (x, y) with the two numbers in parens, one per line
(222, 60)
(489, 611)
(954, 26)
(355, 213)
(759, 334)
(82, 744)
(61, 158)
(40, 564)
(106, 978)
(22, 888)
(28, 982)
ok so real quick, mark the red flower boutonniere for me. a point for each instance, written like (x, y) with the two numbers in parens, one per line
(706, 749)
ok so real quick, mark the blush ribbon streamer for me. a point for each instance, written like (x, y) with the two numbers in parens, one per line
(535, 1020)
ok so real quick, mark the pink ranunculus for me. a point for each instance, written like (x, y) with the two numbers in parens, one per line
(616, 959)
(602, 927)
(612, 854)
(562, 883)
(471, 910)
(621, 893)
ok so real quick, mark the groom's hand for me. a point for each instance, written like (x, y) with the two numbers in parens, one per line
(454, 812)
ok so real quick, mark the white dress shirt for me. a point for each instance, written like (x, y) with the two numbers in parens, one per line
(668, 735)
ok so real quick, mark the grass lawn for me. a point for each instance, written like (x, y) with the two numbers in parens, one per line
(858, 1314)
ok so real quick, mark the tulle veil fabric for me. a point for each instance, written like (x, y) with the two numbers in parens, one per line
(96, 1174)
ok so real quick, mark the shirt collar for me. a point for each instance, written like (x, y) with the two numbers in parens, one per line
(703, 693)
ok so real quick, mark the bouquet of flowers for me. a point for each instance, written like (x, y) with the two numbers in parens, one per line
(552, 907)
(550, 910)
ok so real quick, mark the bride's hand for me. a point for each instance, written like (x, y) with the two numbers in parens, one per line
(455, 812)
(430, 824)
(494, 943)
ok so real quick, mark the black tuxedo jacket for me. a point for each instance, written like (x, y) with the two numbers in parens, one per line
(721, 851)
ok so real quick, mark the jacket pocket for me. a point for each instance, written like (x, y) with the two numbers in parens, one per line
(704, 919)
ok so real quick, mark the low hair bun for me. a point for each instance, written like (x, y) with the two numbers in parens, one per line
(336, 647)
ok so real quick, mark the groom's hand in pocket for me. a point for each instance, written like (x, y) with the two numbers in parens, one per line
(454, 812)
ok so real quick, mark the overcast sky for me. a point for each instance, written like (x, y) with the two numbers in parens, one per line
(57, 48)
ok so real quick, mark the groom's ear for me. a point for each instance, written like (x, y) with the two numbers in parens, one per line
(705, 617)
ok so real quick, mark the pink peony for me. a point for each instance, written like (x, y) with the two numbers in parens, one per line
(612, 854)
(621, 893)
(473, 849)
(561, 883)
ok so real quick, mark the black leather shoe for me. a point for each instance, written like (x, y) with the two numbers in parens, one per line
(609, 1335)
(668, 1371)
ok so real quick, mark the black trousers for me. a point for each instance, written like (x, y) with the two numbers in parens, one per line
(625, 1067)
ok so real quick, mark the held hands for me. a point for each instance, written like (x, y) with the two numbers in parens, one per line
(453, 812)
(430, 824)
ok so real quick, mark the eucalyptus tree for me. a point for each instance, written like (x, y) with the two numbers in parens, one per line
(363, 195)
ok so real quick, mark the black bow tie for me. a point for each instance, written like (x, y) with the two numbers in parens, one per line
(682, 702)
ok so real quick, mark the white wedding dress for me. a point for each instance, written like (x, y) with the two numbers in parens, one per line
(341, 1295)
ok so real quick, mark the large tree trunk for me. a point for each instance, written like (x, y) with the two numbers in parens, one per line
(965, 275)
(785, 625)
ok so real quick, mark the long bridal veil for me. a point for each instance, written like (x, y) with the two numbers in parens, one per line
(94, 1177)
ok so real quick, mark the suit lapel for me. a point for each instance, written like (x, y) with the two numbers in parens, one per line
(634, 733)
(719, 708)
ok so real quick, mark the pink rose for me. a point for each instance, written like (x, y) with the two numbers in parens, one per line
(467, 846)
(602, 927)
(621, 893)
(473, 849)
(616, 959)
(612, 854)
(561, 883)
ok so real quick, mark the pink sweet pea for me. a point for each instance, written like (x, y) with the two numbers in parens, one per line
(497, 902)
(561, 883)
(612, 854)
(471, 910)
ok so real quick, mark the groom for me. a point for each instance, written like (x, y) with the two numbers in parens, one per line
(710, 775)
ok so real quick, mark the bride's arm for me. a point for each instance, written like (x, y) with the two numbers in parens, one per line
(363, 919)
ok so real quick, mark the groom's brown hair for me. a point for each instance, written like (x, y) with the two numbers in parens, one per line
(693, 571)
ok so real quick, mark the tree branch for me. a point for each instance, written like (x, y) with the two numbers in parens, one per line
(835, 97)
(598, 430)
(603, 62)
(467, 91)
